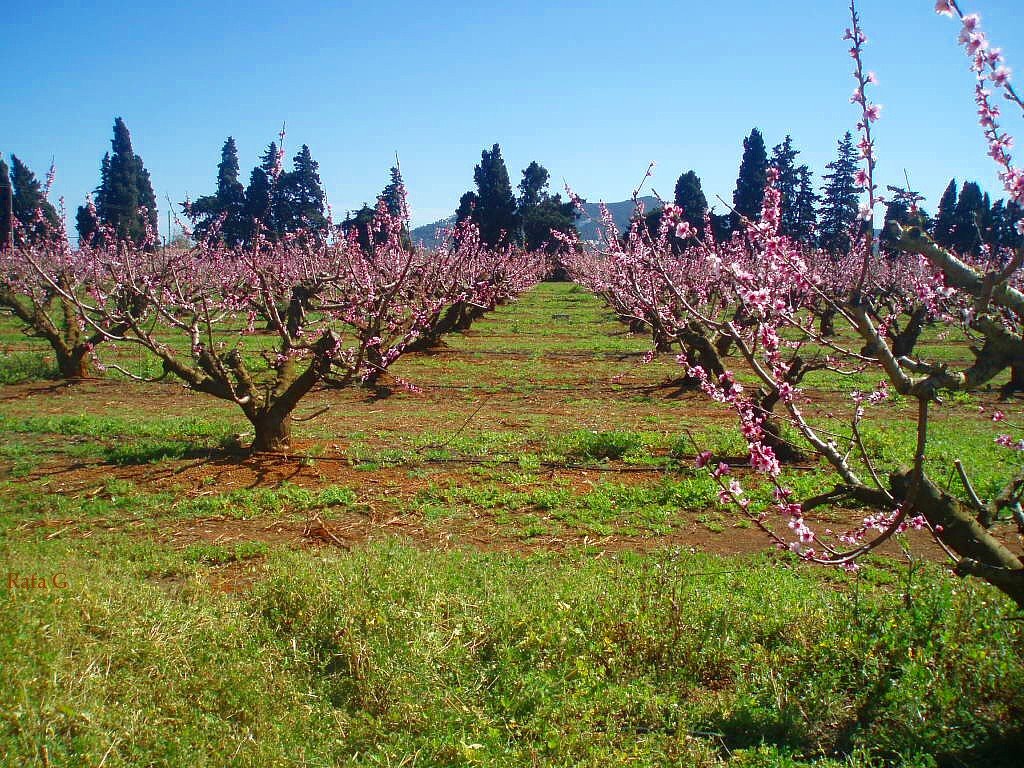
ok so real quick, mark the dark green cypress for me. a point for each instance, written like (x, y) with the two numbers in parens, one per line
(969, 219)
(748, 198)
(690, 197)
(6, 205)
(125, 186)
(303, 195)
(495, 205)
(541, 213)
(942, 225)
(27, 199)
(839, 199)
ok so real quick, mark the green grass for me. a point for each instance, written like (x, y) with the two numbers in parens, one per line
(403, 654)
(471, 659)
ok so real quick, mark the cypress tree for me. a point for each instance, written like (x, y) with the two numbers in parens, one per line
(360, 221)
(261, 195)
(784, 161)
(839, 199)
(495, 205)
(6, 205)
(124, 186)
(27, 199)
(541, 213)
(749, 195)
(805, 216)
(690, 197)
(968, 220)
(942, 226)
(302, 195)
(394, 194)
(228, 202)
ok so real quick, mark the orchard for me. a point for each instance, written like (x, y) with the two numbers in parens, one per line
(741, 491)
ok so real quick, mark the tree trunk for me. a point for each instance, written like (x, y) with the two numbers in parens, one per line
(1016, 382)
(74, 363)
(826, 324)
(273, 431)
(904, 341)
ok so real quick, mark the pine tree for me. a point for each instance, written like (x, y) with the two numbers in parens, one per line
(125, 186)
(27, 199)
(968, 220)
(260, 196)
(394, 194)
(541, 213)
(6, 205)
(690, 197)
(493, 206)
(788, 184)
(748, 198)
(896, 212)
(805, 215)
(942, 226)
(228, 203)
(837, 215)
(302, 195)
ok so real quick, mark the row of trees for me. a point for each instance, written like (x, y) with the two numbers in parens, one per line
(275, 202)
(502, 217)
(760, 307)
(806, 217)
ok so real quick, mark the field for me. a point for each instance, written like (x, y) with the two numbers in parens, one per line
(516, 564)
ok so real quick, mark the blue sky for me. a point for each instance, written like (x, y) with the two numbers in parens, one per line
(593, 91)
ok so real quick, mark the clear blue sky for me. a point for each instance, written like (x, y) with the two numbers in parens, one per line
(593, 91)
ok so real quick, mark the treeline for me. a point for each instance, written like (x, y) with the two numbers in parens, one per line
(826, 219)
(277, 201)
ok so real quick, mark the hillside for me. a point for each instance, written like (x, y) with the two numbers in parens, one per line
(587, 223)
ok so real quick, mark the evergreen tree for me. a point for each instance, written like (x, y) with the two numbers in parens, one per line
(805, 216)
(359, 222)
(541, 213)
(302, 196)
(467, 207)
(394, 194)
(749, 195)
(995, 227)
(784, 161)
(896, 212)
(6, 205)
(261, 194)
(228, 202)
(124, 187)
(393, 199)
(27, 198)
(690, 197)
(969, 218)
(493, 206)
(942, 226)
(837, 215)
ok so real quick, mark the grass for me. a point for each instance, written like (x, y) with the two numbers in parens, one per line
(563, 647)
(464, 658)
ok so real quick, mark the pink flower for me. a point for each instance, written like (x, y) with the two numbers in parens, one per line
(702, 459)
(944, 8)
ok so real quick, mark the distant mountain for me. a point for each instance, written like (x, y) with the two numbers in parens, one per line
(587, 224)
(621, 213)
(427, 234)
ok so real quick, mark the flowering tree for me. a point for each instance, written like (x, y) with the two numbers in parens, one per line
(489, 277)
(38, 274)
(340, 314)
(766, 298)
